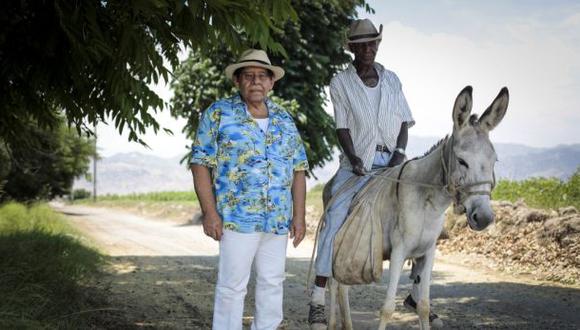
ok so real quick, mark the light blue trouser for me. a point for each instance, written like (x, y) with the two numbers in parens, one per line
(338, 211)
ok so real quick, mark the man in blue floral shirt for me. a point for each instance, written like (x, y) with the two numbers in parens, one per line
(249, 164)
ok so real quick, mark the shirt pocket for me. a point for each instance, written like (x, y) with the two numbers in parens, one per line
(281, 172)
(282, 160)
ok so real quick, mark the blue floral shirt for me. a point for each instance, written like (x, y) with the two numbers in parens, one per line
(252, 170)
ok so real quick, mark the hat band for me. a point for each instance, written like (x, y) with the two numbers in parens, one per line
(362, 36)
(263, 62)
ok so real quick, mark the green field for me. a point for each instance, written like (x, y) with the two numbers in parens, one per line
(164, 196)
(44, 269)
(536, 192)
(541, 192)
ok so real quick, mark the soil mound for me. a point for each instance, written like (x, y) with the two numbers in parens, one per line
(523, 240)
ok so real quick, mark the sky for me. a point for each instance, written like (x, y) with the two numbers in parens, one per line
(438, 47)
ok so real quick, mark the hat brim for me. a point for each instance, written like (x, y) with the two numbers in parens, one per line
(358, 41)
(278, 71)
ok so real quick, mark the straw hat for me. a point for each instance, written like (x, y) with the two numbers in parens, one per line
(254, 57)
(363, 30)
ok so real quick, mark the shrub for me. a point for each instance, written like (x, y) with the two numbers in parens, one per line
(44, 267)
(81, 194)
(541, 192)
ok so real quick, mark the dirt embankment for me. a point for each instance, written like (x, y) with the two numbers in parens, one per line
(523, 241)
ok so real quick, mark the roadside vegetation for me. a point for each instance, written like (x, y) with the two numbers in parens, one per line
(45, 271)
(180, 206)
(183, 207)
(165, 196)
(544, 193)
(314, 196)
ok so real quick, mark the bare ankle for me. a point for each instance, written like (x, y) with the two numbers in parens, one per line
(320, 281)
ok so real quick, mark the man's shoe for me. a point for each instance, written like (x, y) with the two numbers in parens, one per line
(434, 319)
(317, 316)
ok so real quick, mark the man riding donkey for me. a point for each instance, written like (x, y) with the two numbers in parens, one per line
(372, 121)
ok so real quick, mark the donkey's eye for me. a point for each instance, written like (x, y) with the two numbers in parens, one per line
(462, 162)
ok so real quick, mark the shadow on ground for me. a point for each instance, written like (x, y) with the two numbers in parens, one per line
(177, 293)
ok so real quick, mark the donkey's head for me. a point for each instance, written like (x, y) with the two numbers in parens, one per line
(471, 160)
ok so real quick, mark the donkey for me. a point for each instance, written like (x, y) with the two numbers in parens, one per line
(410, 201)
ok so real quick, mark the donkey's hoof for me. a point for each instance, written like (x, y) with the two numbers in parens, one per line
(434, 319)
(436, 323)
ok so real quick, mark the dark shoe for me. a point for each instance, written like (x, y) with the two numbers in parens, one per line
(316, 315)
(434, 319)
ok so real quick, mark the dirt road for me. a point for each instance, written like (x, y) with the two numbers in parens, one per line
(162, 275)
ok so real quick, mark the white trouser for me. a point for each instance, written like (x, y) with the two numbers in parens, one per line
(237, 251)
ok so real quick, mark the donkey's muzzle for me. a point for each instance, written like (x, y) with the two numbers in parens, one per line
(479, 218)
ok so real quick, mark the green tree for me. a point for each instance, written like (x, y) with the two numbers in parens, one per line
(95, 59)
(314, 46)
(46, 165)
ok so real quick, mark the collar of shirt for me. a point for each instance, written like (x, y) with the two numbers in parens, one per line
(274, 112)
(379, 67)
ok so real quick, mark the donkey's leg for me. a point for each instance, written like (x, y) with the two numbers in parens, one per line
(333, 289)
(395, 267)
(424, 278)
(344, 306)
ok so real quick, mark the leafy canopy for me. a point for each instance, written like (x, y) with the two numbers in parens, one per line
(95, 59)
(314, 46)
(46, 165)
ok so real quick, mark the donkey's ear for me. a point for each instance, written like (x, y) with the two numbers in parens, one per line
(494, 114)
(462, 108)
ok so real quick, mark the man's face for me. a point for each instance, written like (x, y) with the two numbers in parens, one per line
(254, 84)
(365, 52)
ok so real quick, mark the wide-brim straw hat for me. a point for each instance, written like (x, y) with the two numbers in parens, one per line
(256, 58)
(363, 30)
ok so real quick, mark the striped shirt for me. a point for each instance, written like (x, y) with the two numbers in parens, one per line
(354, 111)
(374, 95)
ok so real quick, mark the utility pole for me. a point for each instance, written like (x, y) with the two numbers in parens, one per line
(95, 168)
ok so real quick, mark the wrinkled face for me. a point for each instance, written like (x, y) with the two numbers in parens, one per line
(254, 84)
(472, 168)
(365, 52)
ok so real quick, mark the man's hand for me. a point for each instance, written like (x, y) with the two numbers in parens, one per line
(357, 166)
(297, 230)
(212, 226)
(396, 159)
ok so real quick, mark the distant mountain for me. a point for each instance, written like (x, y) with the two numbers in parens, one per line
(559, 162)
(135, 172)
(518, 161)
(515, 161)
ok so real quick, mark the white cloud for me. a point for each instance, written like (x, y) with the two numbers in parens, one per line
(572, 20)
(538, 67)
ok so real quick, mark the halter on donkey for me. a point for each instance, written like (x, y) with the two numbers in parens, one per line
(410, 200)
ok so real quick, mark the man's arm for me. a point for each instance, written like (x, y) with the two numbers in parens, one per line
(345, 141)
(212, 223)
(398, 156)
(342, 118)
(298, 226)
